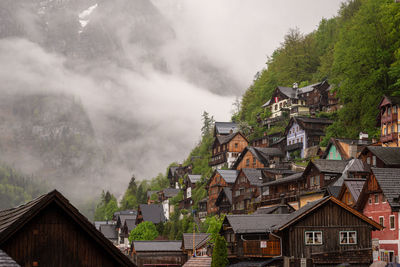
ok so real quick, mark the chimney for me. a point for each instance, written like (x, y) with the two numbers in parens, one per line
(363, 136)
(231, 131)
(295, 85)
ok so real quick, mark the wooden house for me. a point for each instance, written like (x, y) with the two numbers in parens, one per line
(265, 140)
(333, 100)
(225, 128)
(344, 149)
(157, 253)
(258, 157)
(246, 189)
(150, 195)
(381, 157)
(326, 231)
(121, 217)
(379, 200)
(304, 132)
(316, 96)
(224, 201)
(202, 209)
(153, 213)
(350, 191)
(177, 173)
(389, 121)
(189, 184)
(200, 244)
(128, 226)
(219, 180)
(164, 196)
(226, 149)
(49, 231)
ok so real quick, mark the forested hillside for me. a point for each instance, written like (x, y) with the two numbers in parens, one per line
(357, 51)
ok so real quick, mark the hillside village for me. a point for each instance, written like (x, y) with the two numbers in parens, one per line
(306, 172)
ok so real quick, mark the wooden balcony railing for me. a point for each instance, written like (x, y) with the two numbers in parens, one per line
(217, 159)
(389, 137)
(279, 196)
(261, 248)
(389, 118)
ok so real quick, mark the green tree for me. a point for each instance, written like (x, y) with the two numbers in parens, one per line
(129, 200)
(208, 123)
(220, 253)
(106, 208)
(144, 231)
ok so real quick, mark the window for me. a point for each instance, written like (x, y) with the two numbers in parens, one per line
(236, 145)
(254, 161)
(348, 237)
(237, 193)
(369, 161)
(313, 237)
(374, 161)
(369, 201)
(247, 162)
(395, 109)
(391, 222)
(383, 198)
(388, 111)
(381, 221)
(376, 198)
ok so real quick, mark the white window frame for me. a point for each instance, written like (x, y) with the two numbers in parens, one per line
(394, 222)
(348, 236)
(384, 200)
(313, 244)
(370, 200)
(383, 220)
(375, 197)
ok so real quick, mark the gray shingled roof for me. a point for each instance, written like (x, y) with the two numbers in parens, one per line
(227, 192)
(149, 246)
(130, 223)
(123, 217)
(228, 175)
(199, 240)
(225, 127)
(263, 153)
(254, 176)
(170, 192)
(226, 138)
(389, 155)
(389, 181)
(255, 223)
(7, 261)
(152, 212)
(194, 178)
(313, 120)
(290, 178)
(355, 187)
(98, 223)
(331, 166)
(109, 231)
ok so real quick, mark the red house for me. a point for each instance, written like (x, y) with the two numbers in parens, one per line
(379, 200)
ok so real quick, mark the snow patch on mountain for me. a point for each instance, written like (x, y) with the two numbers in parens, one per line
(84, 15)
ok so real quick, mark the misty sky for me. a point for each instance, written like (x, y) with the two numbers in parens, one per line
(156, 114)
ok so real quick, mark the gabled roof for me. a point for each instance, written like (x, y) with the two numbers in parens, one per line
(302, 121)
(228, 175)
(224, 139)
(170, 192)
(109, 231)
(389, 155)
(123, 217)
(329, 166)
(152, 212)
(12, 220)
(354, 186)
(7, 261)
(160, 245)
(391, 99)
(200, 239)
(307, 209)
(278, 209)
(262, 154)
(130, 224)
(360, 143)
(389, 182)
(98, 223)
(255, 223)
(254, 176)
(226, 191)
(201, 261)
(224, 128)
(194, 178)
(288, 179)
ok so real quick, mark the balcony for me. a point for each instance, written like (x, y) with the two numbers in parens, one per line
(261, 248)
(217, 159)
(389, 137)
(294, 146)
(389, 118)
(271, 198)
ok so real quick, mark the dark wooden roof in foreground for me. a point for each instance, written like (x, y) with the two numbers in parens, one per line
(12, 220)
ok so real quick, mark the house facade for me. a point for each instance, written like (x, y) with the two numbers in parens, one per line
(304, 132)
(381, 157)
(258, 157)
(219, 180)
(226, 149)
(379, 200)
(344, 149)
(177, 173)
(389, 121)
(246, 189)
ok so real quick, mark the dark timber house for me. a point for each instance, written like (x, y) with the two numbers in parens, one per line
(326, 231)
(153, 213)
(49, 231)
(158, 253)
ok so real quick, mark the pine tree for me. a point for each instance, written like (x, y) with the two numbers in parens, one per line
(220, 253)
